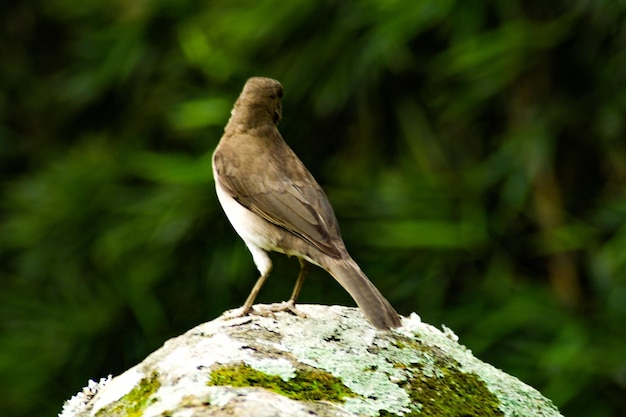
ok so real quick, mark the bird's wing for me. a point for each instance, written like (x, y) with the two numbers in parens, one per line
(286, 195)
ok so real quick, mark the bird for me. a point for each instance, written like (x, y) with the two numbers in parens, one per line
(274, 204)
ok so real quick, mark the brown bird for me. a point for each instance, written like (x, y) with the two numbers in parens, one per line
(275, 204)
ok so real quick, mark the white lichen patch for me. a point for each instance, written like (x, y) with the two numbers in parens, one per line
(122, 385)
(78, 402)
(278, 366)
(516, 398)
(339, 344)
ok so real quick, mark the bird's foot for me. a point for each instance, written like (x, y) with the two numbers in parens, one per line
(288, 306)
(265, 310)
(243, 312)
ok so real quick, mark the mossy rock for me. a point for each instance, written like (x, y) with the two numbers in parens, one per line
(332, 363)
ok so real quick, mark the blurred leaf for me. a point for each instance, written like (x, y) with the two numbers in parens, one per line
(200, 113)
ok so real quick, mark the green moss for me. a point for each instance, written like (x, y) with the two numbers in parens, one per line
(439, 388)
(307, 385)
(135, 402)
(454, 393)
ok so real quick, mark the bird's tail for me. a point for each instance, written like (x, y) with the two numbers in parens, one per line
(373, 304)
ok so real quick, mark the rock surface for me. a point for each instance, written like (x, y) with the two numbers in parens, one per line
(332, 363)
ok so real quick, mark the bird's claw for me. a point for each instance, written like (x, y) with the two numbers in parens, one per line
(265, 310)
(288, 306)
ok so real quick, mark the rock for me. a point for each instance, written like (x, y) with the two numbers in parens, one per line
(332, 363)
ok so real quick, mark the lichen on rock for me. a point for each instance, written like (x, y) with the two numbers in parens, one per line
(332, 363)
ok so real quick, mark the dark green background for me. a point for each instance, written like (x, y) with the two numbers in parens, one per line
(474, 151)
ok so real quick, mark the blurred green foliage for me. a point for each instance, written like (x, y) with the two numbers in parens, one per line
(474, 152)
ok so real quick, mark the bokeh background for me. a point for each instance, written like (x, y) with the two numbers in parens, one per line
(475, 154)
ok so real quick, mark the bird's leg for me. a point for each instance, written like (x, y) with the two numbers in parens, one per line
(290, 305)
(247, 306)
(304, 269)
(264, 265)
